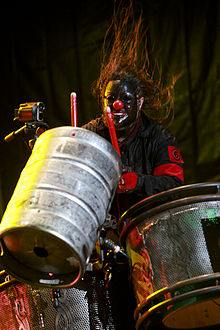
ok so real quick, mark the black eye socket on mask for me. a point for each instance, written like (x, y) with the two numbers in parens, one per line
(127, 99)
(110, 99)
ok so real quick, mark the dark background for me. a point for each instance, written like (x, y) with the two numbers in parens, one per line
(46, 53)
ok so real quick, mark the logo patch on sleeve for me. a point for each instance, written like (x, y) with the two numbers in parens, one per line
(174, 154)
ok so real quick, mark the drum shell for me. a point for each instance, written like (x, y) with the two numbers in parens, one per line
(27, 307)
(60, 201)
(86, 306)
(172, 237)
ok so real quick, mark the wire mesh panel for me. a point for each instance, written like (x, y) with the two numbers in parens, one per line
(177, 242)
(173, 242)
(90, 306)
(23, 307)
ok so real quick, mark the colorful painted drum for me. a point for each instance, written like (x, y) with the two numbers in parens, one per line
(23, 307)
(173, 240)
(87, 306)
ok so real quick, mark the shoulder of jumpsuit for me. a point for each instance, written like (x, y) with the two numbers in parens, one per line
(158, 131)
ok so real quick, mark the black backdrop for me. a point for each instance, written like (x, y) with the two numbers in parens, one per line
(46, 53)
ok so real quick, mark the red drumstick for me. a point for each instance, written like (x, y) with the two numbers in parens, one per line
(112, 132)
(73, 109)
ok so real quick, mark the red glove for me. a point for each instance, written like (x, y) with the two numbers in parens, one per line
(128, 181)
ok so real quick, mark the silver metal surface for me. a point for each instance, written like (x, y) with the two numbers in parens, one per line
(173, 244)
(51, 223)
(30, 308)
(171, 247)
(176, 243)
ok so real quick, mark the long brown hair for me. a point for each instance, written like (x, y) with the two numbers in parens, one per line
(125, 53)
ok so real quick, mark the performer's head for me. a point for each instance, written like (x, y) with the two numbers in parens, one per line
(125, 84)
(125, 98)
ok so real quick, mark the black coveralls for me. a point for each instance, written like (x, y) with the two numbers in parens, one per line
(151, 152)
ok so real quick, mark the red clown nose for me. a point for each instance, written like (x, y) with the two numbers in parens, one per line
(118, 105)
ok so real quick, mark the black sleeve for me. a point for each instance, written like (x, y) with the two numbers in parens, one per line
(167, 172)
(148, 185)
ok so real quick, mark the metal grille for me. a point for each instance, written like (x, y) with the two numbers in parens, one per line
(72, 311)
(23, 307)
(99, 303)
(176, 242)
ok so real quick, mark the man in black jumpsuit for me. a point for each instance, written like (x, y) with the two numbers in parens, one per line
(150, 156)
(149, 152)
(151, 163)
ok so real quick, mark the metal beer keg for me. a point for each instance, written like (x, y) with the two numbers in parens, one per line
(64, 192)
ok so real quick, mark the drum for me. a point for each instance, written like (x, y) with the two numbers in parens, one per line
(173, 240)
(24, 307)
(86, 306)
(61, 200)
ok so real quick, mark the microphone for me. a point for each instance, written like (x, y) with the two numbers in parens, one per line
(110, 245)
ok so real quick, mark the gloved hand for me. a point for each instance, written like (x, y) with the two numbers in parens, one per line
(127, 182)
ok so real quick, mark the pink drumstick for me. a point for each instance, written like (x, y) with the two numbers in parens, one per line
(73, 109)
(112, 132)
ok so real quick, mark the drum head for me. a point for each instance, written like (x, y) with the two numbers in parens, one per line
(197, 315)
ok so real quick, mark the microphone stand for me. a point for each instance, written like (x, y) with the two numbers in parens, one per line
(29, 126)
